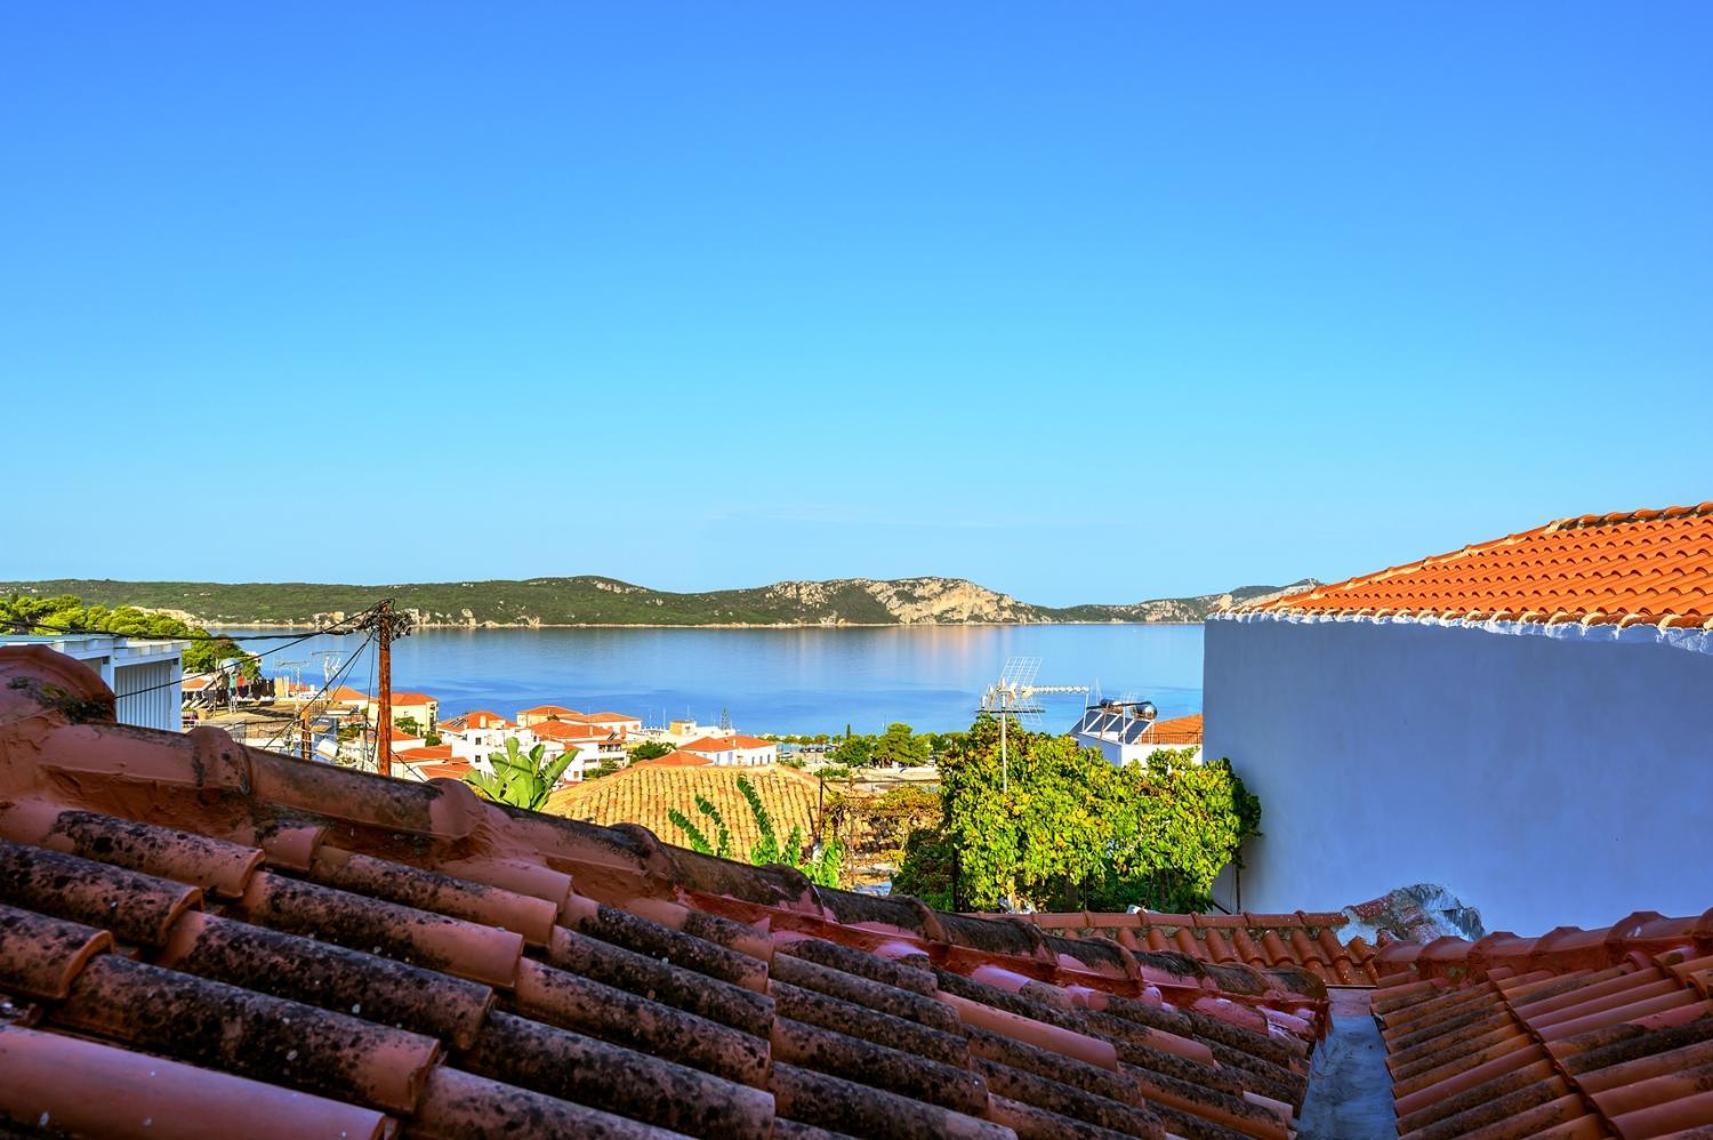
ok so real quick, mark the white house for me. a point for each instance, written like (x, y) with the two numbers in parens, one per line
(1527, 722)
(736, 749)
(1128, 733)
(145, 675)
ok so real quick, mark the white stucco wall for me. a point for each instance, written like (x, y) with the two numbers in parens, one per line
(1545, 781)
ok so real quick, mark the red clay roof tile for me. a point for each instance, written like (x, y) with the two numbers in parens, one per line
(401, 954)
(1646, 566)
(1600, 1034)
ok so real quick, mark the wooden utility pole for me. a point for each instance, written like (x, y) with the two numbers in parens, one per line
(384, 701)
(303, 741)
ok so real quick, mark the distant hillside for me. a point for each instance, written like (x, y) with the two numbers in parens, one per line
(607, 601)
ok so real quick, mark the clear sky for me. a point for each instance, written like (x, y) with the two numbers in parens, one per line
(1087, 302)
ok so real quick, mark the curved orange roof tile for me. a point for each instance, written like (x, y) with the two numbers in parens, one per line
(1646, 566)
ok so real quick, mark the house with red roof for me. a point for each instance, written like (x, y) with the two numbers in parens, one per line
(734, 750)
(622, 723)
(531, 716)
(1527, 721)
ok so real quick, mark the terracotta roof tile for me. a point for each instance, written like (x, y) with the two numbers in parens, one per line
(1179, 730)
(548, 710)
(1304, 940)
(1646, 566)
(308, 950)
(1587, 1032)
(568, 730)
(480, 718)
(675, 759)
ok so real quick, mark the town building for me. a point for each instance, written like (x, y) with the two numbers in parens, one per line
(528, 717)
(419, 707)
(1127, 732)
(145, 674)
(736, 750)
(1526, 721)
(622, 723)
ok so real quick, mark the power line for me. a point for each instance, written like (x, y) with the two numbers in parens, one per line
(328, 687)
(222, 669)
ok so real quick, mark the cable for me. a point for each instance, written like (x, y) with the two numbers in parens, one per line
(326, 688)
(220, 669)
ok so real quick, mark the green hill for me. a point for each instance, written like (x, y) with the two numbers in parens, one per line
(607, 601)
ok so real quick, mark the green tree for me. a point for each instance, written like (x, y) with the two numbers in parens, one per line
(649, 749)
(852, 752)
(521, 779)
(901, 746)
(206, 652)
(1065, 830)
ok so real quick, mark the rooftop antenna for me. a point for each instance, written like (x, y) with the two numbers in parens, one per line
(1016, 696)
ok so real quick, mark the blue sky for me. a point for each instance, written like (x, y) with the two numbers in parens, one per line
(1085, 302)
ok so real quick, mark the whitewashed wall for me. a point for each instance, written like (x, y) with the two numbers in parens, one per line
(1544, 781)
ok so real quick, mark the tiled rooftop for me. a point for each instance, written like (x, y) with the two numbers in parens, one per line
(1304, 940)
(678, 758)
(731, 743)
(201, 939)
(644, 792)
(1579, 1033)
(1651, 567)
(1179, 730)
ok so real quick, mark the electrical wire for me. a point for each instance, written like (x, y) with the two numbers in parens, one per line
(325, 689)
(295, 639)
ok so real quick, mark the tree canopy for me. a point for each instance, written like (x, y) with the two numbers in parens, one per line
(26, 613)
(1065, 830)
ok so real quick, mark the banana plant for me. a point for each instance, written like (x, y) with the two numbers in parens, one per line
(521, 779)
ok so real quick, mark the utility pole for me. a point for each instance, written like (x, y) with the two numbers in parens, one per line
(384, 709)
(386, 625)
(303, 741)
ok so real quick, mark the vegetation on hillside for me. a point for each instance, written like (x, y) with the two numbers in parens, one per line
(592, 600)
(58, 613)
(1063, 829)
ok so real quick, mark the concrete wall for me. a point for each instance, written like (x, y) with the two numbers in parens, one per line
(1545, 781)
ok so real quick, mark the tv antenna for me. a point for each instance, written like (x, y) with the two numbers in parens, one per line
(1016, 697)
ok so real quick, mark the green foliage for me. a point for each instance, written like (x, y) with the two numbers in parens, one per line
(1068, 831)
(521, 779)
(722, 844)
(585, 600)
(899, 745)
(824, 867)
(853, 752)
(833, 772)
(605, 768)
(877, 828)
(649, 749)
(793, 762)
(68, 612)
(929, 869)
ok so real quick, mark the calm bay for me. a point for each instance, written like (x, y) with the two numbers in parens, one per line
(770, 680)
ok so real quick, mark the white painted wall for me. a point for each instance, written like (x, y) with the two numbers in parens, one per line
(1546, 781)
